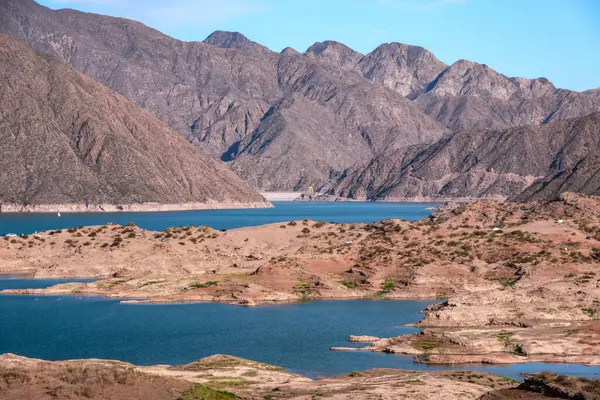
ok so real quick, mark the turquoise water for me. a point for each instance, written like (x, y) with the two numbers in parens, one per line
(8, 282)
(295, 336)
(220, 219)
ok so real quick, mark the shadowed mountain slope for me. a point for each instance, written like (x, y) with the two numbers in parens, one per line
(489, 164)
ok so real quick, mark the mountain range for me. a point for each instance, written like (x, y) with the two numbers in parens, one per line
(395, 123)
(67, 140)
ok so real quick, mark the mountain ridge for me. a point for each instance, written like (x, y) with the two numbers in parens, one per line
(219, 93)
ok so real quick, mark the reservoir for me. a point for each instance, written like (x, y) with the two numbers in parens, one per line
(342, 212)
(295, 336)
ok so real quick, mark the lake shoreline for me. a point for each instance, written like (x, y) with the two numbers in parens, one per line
(136, 207)
(282, 211)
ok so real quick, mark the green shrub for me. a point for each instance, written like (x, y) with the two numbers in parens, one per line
(387, 286)
(304, 290)
(350, 284)
(205, 285)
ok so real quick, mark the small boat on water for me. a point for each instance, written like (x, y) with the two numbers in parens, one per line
(431, 208)
(59, 214)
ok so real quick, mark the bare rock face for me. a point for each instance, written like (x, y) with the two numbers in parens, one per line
(491, 164)
(403, 68)
(470, 78)
(221, 95)
(297, 132)
(65, 139)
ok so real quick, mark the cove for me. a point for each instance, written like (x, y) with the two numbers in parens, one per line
(341, 212)
(295, 336)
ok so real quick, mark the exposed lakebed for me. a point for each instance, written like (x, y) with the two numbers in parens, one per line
(296, 336)
(341, 212)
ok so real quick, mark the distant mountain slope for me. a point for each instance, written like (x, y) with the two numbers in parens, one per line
(66, 139)
(583, 177)
(225, 94)
(476, 164)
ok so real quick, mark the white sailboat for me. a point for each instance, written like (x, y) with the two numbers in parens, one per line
(59, 214)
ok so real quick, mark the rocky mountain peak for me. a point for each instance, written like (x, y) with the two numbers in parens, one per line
(231, 40)
(334, 53)
(403, 68)
(469, 78)
(289, 51)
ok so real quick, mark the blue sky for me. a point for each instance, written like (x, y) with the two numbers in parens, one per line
(556, 39)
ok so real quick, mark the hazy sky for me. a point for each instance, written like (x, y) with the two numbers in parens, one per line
(556, 39)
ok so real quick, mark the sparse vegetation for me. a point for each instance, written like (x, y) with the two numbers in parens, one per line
(304, 290)
(350, 284)
(590, 312)
(201, 392)
(141, 285)
(387, 286)
(427, 345)
(204, 285)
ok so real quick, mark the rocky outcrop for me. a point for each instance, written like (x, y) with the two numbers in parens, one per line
(67, 140)
(549, 386)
